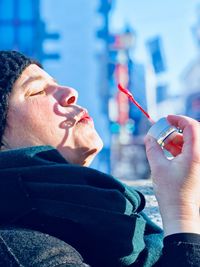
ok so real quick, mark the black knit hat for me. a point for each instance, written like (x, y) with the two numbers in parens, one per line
(12, 64)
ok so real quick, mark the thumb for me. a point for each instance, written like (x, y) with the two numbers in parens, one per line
(153, 150)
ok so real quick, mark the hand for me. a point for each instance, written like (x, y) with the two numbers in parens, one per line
(177, 181)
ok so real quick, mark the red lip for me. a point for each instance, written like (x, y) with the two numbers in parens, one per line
(85, 117)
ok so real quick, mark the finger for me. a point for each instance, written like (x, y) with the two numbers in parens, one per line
(191, 133)
(181, 121)
(153, 151)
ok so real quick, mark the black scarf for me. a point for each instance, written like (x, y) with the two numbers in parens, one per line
(88, 209)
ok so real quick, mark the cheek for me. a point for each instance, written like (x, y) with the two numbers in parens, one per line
(32, 117)
(44, 124)
(39, 118)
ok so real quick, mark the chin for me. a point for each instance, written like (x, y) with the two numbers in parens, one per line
(81, 155)
(99, 144)
(92, 155)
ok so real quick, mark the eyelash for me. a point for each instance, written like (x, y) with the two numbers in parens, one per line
(38, 93)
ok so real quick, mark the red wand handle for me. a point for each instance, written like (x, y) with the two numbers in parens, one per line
(130, 96)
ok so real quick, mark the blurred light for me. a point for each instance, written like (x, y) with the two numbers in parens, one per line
(115, 128)
(121, 41)
(112, 109)
(130, 126)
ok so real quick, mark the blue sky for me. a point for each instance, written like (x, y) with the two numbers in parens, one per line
(172, 20)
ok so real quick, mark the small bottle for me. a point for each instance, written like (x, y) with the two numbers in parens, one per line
(163, 132)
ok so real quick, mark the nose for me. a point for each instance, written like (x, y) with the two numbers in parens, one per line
(68, 96)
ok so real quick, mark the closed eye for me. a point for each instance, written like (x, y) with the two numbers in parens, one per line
(38, 93)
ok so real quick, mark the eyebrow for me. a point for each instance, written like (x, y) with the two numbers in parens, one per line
(34, 78)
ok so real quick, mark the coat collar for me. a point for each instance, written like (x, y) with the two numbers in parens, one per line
(22, 157)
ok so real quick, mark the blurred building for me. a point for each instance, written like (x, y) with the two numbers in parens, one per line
(191, 89)
(22, 28)
(191, 77)
(160, 100)
(128, 158)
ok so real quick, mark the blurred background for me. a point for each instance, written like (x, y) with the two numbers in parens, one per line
(150, 47)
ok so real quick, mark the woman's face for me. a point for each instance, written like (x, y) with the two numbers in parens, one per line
(41, 112)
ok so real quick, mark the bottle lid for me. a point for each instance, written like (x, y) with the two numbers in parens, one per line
(161, 130)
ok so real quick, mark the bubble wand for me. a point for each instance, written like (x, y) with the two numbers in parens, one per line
(131, 98)
(160, 130)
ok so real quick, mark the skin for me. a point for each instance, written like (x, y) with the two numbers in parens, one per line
(177, 181)
(42, 112)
